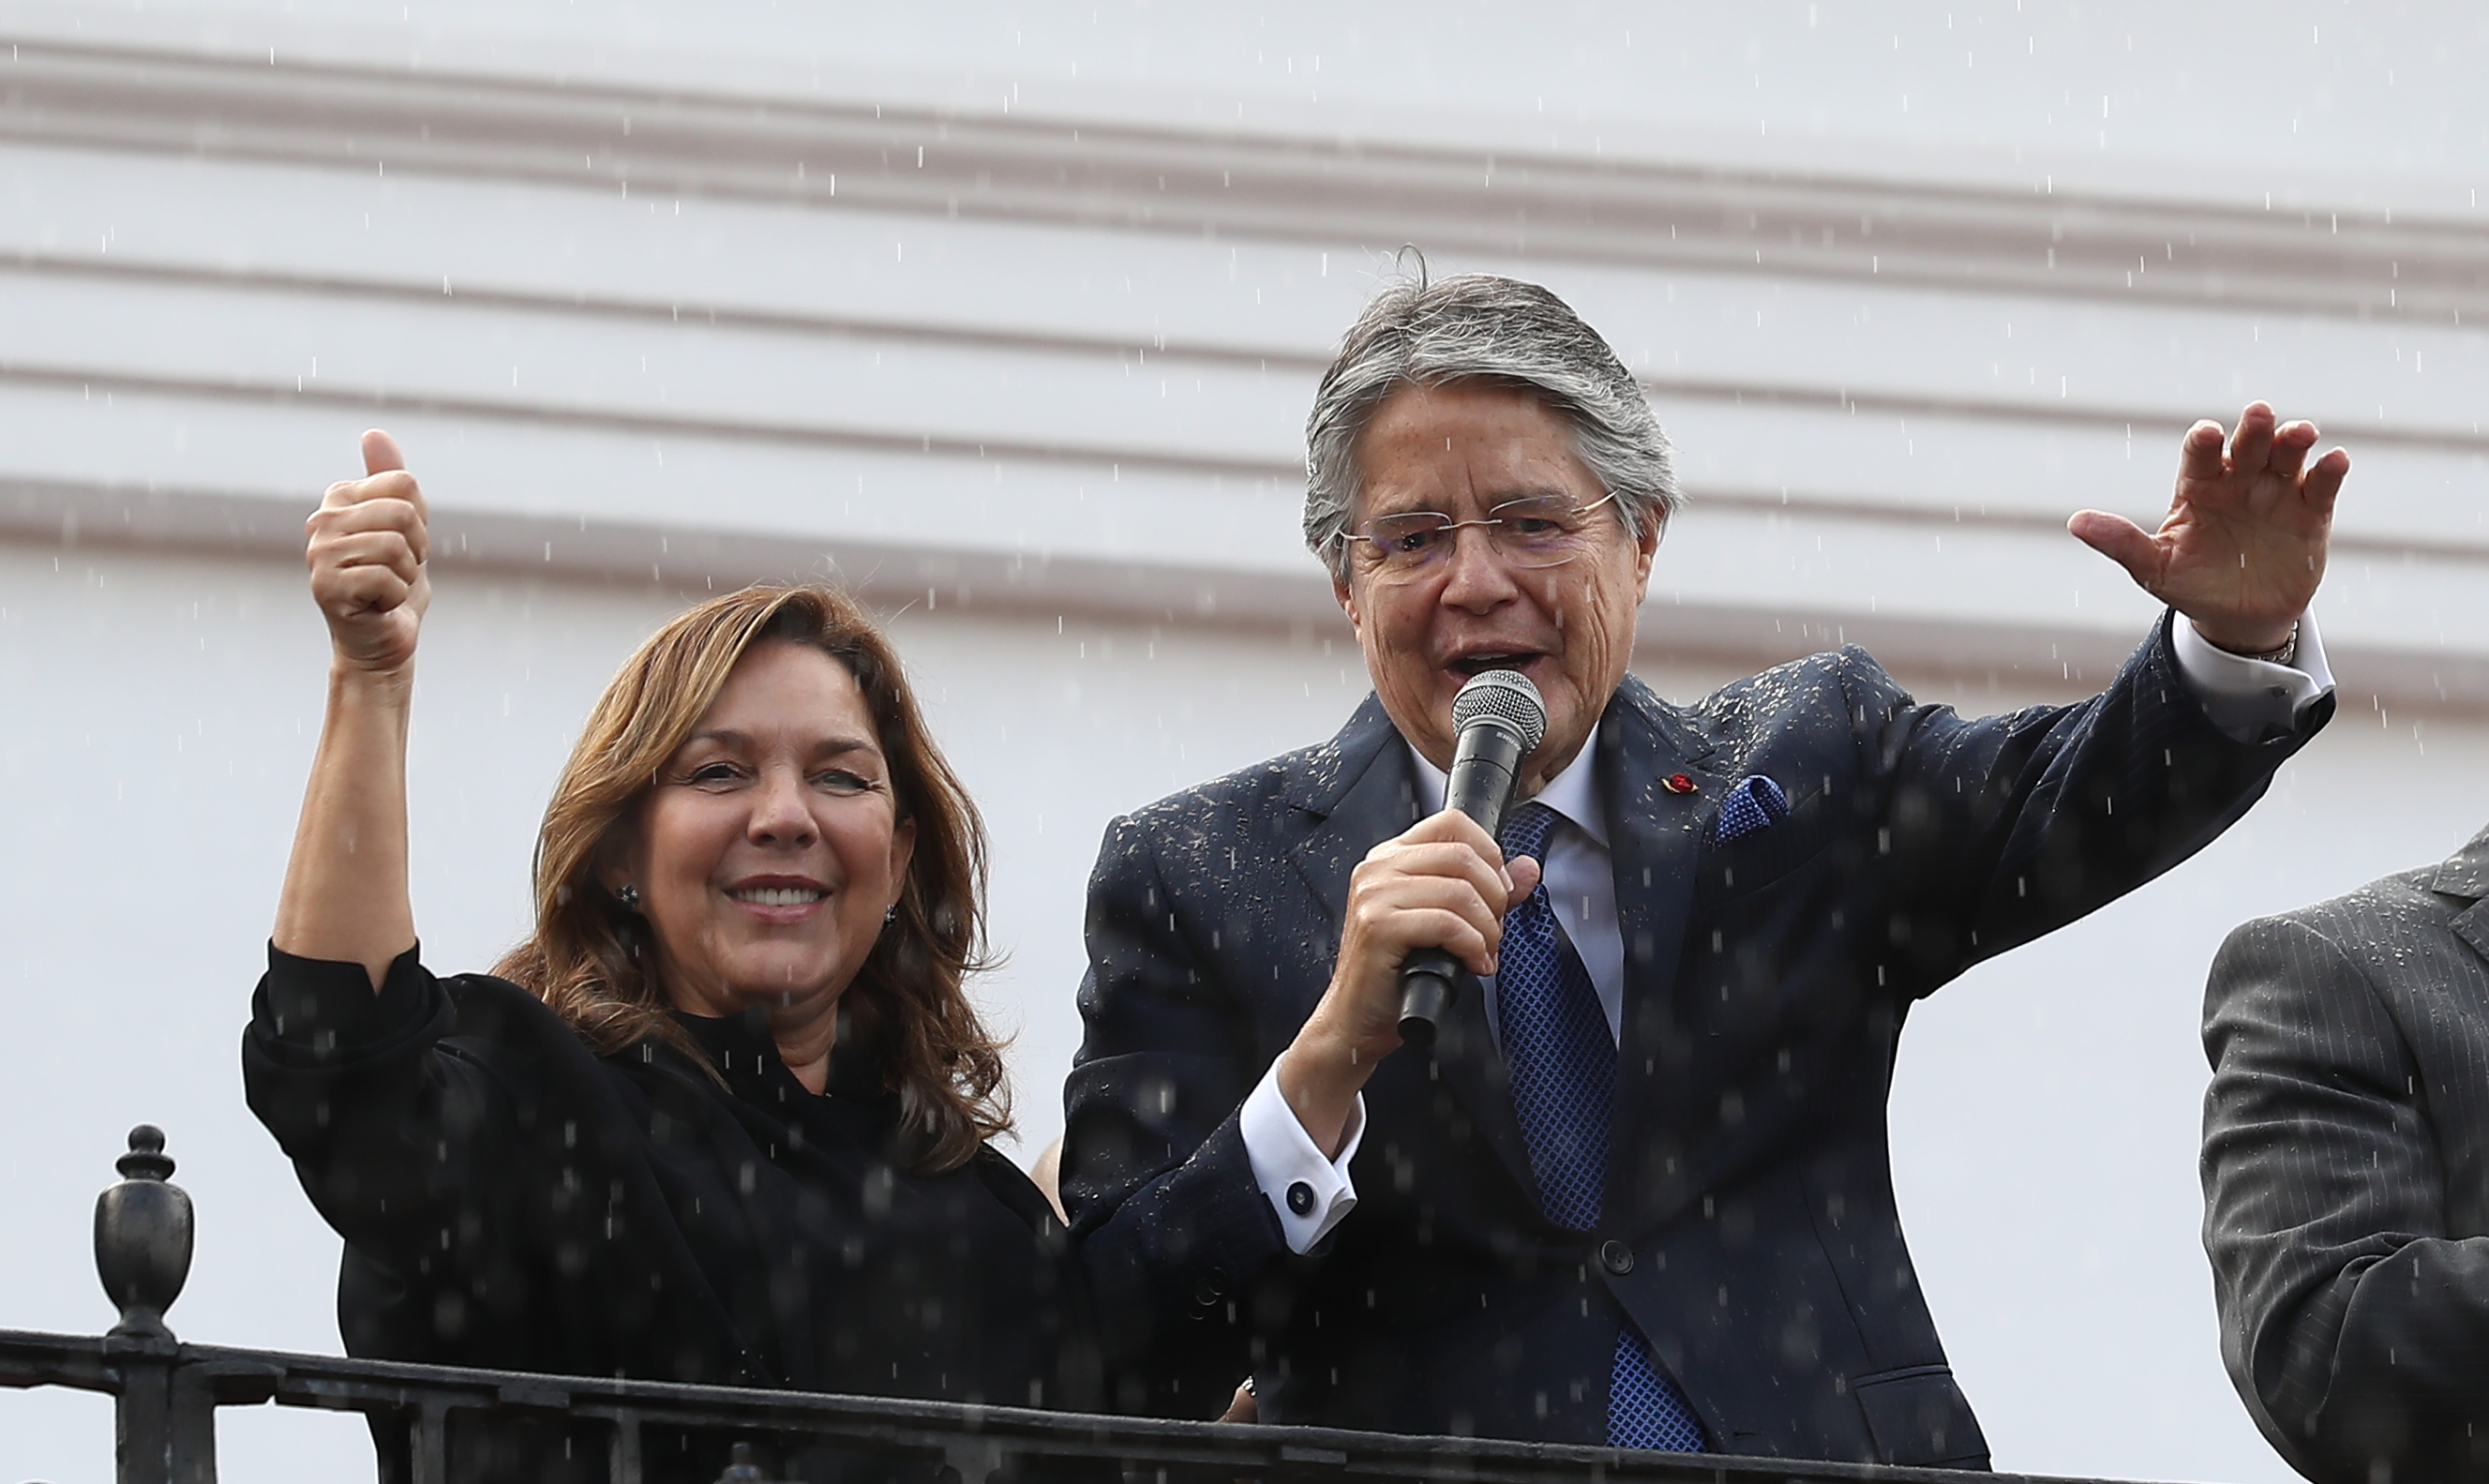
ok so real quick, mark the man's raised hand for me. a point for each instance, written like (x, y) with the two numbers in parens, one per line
(367, 550)
(2243, 547)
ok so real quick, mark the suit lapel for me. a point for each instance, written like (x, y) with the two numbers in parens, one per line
(2466, 873)
(1367, 797)
(1654, 840)
(1360, 792)
(2472, 925)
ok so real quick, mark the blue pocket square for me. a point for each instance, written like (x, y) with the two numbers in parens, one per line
(1754, 803)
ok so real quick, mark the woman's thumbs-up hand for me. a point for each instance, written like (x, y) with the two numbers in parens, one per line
(367, 550)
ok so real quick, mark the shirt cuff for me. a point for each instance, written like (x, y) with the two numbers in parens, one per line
(1310, 1194)
(2249, 699)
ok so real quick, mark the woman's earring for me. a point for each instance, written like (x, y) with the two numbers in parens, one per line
(629, 896)
(890, 914)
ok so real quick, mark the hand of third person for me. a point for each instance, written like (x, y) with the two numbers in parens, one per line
(367, 552)
(1443, 884)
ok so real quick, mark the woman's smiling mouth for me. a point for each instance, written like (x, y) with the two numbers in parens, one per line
(777, 896)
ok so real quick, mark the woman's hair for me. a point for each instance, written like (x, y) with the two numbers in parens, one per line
(906, 1009)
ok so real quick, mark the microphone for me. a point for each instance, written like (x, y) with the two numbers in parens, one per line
(1499, 719)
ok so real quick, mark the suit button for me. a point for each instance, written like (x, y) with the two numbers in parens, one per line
(1301, 1198)
(1616, 1257)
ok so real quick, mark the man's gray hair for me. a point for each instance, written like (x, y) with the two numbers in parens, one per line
(1501, 332)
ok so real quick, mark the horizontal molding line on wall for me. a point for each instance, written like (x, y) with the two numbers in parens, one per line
(74, 513)
(1266, 475)
(894, 576)
(649, 424)
(610, 309)
(1885, 401)
(1324, 192)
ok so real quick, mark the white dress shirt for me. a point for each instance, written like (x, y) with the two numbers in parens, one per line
(2246, 698)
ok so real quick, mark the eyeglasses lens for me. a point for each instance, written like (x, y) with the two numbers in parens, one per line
(1524, 533)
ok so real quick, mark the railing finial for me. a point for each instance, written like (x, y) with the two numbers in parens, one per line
(143, 1230)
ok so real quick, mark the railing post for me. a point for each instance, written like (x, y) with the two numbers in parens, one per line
(163, 1432)
(427, 1437)
(142, 1419)
(624, 1462)
(741, 1469)
(975, 1460)
(164, 1424)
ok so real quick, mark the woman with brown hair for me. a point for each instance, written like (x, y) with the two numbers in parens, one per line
(722, 1117)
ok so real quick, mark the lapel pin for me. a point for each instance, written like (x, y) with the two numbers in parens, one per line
(1678, 782)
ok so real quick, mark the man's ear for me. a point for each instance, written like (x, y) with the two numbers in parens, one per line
(1648, 544)
(1347, 600)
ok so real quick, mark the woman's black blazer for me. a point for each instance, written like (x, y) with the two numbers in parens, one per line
(511, 1200)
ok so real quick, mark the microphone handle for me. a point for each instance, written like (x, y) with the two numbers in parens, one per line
(1430, 980)
(1484, 770)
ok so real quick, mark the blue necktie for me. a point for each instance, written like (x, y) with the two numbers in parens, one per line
(1563, 1061)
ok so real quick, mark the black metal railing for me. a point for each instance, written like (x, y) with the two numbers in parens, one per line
(167, 1393)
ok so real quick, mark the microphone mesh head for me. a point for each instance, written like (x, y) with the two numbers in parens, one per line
(1506, 695)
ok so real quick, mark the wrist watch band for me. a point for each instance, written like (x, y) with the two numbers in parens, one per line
(2282, 655)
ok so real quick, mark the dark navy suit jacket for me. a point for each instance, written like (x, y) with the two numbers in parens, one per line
(1750, 1227)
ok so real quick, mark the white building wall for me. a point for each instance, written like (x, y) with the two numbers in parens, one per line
(1041, 398)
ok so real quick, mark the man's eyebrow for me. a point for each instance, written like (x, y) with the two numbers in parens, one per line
(1505, 496)
(1521, 492)
(1411, 506)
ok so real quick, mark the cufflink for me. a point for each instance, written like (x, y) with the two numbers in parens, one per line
(1301, 1198)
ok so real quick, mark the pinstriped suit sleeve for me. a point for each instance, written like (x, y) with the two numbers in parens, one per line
(1996, 830)
(2354, 1328)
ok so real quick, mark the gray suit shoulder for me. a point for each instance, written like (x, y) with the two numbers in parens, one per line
(2369, 918)
(2395, 936)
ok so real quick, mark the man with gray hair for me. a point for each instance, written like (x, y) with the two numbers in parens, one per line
(1636, 1192)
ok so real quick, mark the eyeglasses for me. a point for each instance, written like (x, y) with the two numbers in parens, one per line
(1542, 530)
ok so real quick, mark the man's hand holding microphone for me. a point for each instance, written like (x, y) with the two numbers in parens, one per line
(1422, 906)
